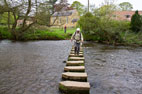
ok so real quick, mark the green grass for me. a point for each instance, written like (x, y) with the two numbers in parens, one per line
(58, 34)
(52, 34)
(39, 34)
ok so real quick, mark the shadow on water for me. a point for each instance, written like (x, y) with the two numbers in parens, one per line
(113, 69)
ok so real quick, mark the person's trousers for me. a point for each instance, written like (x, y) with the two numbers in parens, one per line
(77, 48)
(65, 30)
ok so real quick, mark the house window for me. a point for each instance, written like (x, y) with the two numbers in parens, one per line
(66, 19)
(127, 16)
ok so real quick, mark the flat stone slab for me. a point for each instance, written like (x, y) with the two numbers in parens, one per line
(75, 63)
(74, 76)
(81, 48)
(73, 55)
(74, 69)
(76, 58)
(73, 87)
(72, 52)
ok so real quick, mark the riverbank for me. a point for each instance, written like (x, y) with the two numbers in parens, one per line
(127, 38)
(39, 34)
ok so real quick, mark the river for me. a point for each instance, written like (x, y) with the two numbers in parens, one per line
(35, 67)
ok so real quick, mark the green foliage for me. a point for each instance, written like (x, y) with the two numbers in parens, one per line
(125, 6)
(78, 6)
(38, 34)
(102, 28)
(136, 22)
(105, 10)
(49, 34)
(45, 11)
(4, 18)
(4, 33)
(88, 22)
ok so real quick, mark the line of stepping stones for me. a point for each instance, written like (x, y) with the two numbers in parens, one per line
(74, 76)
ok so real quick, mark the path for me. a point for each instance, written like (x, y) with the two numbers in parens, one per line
(75, 77)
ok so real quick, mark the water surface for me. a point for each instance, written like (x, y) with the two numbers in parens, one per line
(35, 67)
(114, 70)
(32, 67)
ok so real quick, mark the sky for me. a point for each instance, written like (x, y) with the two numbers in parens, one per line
(137, 4)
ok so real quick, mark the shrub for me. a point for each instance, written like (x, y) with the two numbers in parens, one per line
(136, 22)
(102, 28)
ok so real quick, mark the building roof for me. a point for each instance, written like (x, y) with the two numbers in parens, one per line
(64, 13)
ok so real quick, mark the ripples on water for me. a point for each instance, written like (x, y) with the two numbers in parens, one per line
(32, 67)
(36, 67)
(114, 70)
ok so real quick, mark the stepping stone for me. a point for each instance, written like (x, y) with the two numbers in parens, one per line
(75, 76)
(75, 63)
(74, 69)
(80, 50)
(72, 52)
(73, 87)
(76, 58)
(73, 55)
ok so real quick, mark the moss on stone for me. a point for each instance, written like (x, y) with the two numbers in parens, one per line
(62, 88)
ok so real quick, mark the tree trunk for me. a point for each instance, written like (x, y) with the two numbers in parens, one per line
(8, 21)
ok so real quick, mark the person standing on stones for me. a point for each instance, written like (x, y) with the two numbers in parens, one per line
(78, 38)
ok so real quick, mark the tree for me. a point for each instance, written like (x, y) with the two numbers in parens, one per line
(78, 6)
(4, 18)
(45, 12)
(100, 26)
(125, 6)
(136, 22)
(20, 9)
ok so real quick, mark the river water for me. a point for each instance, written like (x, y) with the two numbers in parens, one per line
(35, 67)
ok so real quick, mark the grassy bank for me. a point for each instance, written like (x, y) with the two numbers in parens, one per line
(38, 34)
(127, 38)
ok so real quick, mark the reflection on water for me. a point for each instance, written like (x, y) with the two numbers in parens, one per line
(36, 67)
(32, 67)
(114, 70)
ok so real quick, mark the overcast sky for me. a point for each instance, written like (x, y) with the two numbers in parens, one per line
(137, 4)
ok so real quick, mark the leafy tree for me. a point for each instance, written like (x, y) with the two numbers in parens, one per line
(45, 12)
(136, 22)
(20, 9)
(88, 22)
(100, 27)
(78, 6)
(125, 6)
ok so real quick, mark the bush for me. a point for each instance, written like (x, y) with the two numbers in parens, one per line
(103, 28)
(136, 22)
(4, 33)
